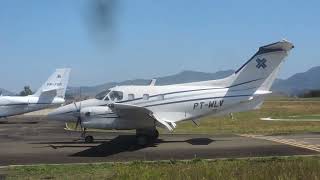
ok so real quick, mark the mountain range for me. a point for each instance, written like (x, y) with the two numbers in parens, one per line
(294, 85)
(182, 77)
(5, 92)
(300, 82)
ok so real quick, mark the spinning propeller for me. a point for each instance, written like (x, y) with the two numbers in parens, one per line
(77, 113)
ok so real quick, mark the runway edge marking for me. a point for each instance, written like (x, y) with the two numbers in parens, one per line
(291, 142)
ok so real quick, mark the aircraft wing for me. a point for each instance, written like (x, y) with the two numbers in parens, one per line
(135, 112)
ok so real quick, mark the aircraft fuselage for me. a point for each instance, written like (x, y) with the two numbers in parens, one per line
(173, 103)
(15, 105)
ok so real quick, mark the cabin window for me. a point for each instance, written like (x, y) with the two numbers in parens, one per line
(145, 96)
(161, 97)
(130, 96)
(116, 95)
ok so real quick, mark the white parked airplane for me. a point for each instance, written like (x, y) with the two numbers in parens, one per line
(143, 108)
(51, 93)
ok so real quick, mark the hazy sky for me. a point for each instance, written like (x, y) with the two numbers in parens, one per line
(149, 38)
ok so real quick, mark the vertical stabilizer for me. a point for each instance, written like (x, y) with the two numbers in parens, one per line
(260, 71)
(56, 85)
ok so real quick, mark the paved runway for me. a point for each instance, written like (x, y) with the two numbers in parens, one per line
(38, 141)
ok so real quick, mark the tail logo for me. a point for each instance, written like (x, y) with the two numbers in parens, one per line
(261, 63)
(59, 76)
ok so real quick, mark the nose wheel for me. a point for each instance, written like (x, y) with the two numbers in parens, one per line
(87, 138)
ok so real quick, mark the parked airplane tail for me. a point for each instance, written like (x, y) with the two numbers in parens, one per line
(255, 77)
(260, 71)
(56, 85)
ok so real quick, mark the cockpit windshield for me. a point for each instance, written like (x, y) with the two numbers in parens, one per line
(116, 95)
(102, 95)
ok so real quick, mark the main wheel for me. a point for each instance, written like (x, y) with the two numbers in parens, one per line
(89, 139)
(155, 134)
(142, 140)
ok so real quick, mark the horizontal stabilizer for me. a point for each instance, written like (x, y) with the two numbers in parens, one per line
(49, 93)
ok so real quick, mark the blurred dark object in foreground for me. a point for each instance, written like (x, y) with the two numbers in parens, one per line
(101, 20)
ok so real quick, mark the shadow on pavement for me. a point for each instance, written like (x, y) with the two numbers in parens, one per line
(78, 141)
(200, 141)
(26, 122)
(127, 143)
(122, 143)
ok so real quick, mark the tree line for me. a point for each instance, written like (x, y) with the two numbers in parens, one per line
(310, 94)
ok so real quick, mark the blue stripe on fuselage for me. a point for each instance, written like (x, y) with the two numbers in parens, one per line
(197, 99)
(193, 90)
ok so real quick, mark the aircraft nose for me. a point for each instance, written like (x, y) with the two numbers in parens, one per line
(64, 113)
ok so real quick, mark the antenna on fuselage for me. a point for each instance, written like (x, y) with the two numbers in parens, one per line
(153, 82)
(78, 109)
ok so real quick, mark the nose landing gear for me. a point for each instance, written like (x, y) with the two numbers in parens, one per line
(87, 138)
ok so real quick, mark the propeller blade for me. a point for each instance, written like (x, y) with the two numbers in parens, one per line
(80, 99)
(79, 122)
(76, 113)
(77, 108)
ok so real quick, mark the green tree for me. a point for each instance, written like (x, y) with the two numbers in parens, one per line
(26, 91)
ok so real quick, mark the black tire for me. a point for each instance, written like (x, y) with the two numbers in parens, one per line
(89, 139)
(156, 134)
(142, 140)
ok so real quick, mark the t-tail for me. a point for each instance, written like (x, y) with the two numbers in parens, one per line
(256, 76)
(55, 86)
(258, 73)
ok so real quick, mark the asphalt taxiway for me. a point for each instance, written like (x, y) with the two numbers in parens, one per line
(35, 140)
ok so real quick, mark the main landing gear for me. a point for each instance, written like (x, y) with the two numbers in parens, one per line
(87, 138)
(145, 136)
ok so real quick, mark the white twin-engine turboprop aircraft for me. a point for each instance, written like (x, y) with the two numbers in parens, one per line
(50, 93)
(143, 108)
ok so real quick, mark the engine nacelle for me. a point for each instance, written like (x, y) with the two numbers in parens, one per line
(98, 117)
(92, 111)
